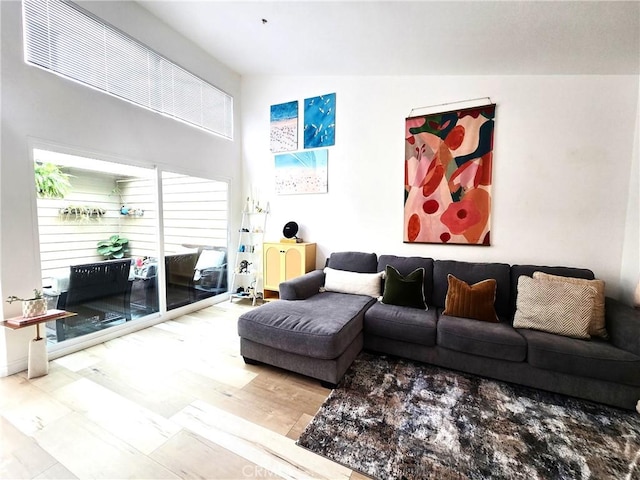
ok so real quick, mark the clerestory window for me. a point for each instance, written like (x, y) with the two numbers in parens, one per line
(63, 38)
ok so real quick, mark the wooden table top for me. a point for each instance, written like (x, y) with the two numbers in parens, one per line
(16, 323)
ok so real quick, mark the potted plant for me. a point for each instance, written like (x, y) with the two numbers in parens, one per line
(114, 247)
(51, 182)
(82, 212)
(31, 307)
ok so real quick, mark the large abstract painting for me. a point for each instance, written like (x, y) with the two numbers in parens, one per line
(447, 179)
(284, 127)
(320, 121)
(302, 172)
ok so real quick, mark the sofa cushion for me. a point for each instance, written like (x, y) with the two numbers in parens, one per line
(343, 281)
(406, 265)
(404, 290)
(597, 323)
(528, 270)
(401, 323)
(554, 307)
(353, 262)
(471, 301)
(473, 273)
(594, 358)
(322, 326)
(493, 340)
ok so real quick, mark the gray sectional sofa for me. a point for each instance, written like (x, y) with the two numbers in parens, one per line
(319, 334)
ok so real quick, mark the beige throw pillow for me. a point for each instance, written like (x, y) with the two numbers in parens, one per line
(555, 307)
(597, 323)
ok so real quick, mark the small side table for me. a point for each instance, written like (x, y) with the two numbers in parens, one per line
(38, 359)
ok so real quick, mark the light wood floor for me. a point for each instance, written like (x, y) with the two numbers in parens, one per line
(172, 401)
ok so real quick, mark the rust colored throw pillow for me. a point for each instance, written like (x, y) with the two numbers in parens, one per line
(471, 301)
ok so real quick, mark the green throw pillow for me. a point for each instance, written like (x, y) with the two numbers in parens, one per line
(404, 291)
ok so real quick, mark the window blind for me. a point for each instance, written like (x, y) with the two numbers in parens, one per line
(61, 37)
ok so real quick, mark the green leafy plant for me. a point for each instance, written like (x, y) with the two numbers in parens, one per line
(37, 294)
(51, 181)
(114, 247)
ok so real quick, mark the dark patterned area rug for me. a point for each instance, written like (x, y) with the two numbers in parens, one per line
(396, 419)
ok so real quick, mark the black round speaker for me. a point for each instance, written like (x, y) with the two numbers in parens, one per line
(290, 230)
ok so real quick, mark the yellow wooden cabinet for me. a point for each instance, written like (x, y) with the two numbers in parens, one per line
(284, 261)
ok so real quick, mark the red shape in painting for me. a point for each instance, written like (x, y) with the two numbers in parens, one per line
(432, 179)
(485, 174)
(445, 237)
(413, 229)
(430, 206)
(455, 137)
(460, 216)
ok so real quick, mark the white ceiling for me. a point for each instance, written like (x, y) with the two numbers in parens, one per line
(412, 37)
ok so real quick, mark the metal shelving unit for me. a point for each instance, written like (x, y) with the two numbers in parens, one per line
(247, 274)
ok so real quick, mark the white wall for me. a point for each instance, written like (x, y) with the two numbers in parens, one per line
(562, 159)
(630, 270)
(40, 105)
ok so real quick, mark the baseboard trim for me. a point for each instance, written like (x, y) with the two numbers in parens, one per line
(17, 366)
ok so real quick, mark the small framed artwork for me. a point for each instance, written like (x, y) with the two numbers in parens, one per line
(284, 127)
(320, 121)
(302, 172)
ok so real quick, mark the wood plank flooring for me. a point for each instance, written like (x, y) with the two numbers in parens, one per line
(172, 401)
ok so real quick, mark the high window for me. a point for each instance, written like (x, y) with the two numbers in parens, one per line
(65, 39)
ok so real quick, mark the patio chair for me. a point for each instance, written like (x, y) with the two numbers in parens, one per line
(211, 272)
(179, 271)
(98, 292)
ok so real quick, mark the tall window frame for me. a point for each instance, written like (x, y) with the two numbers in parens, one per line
(142, 199)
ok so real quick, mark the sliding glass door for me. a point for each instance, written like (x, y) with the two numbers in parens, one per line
(195, 238)
(97, 220)
(108, 238)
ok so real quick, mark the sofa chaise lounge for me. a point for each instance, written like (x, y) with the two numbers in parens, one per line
(319, 333)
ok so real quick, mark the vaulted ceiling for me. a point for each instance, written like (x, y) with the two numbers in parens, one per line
(412, 37)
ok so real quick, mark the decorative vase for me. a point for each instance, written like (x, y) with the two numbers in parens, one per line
(34, 307)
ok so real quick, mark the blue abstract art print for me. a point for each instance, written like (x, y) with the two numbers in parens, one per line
(320, 121)
(302, 172)
(284, 127)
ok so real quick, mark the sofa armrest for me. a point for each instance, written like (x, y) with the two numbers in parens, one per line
(302, 287)
(623, 325)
